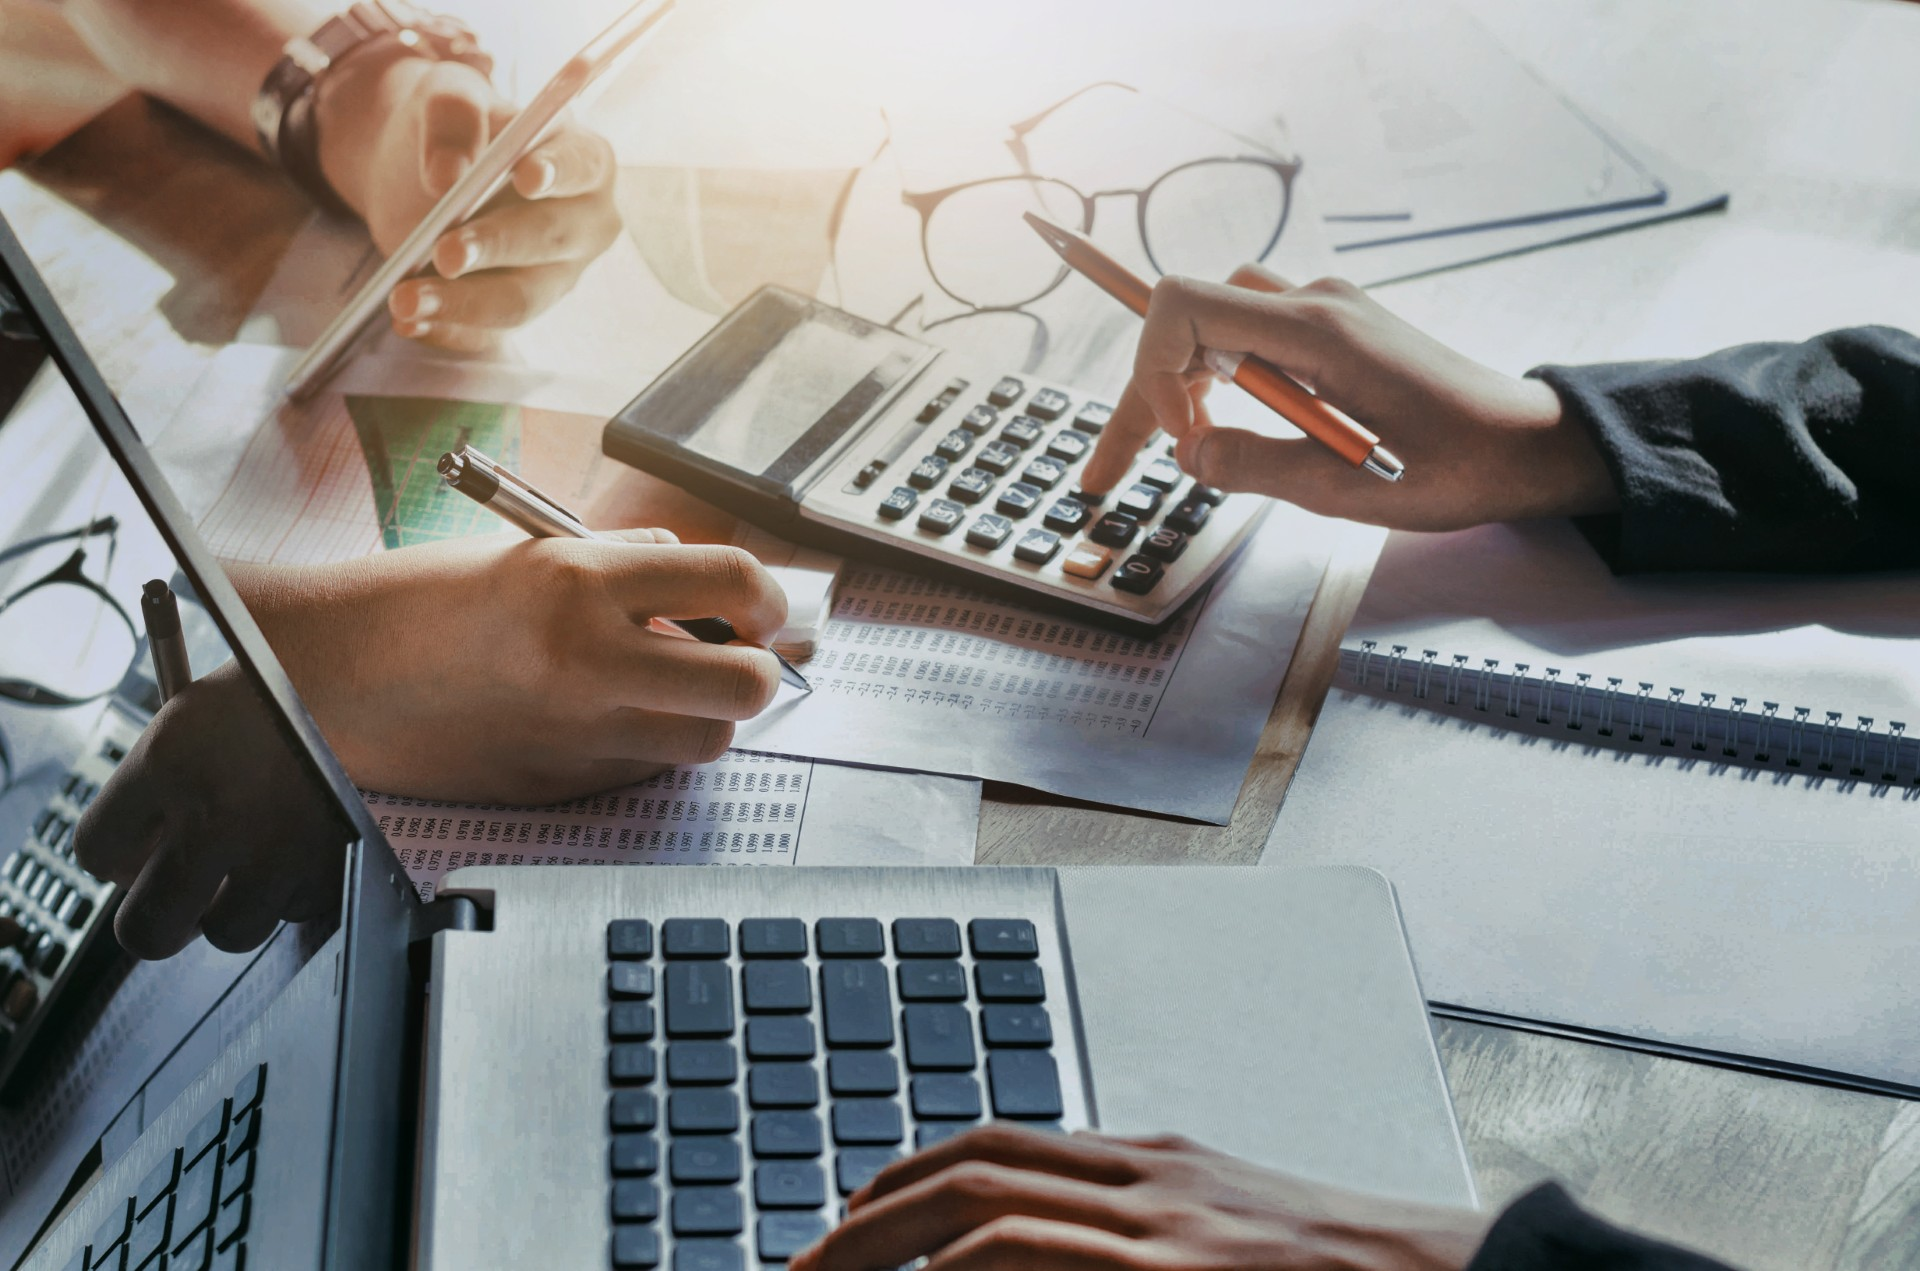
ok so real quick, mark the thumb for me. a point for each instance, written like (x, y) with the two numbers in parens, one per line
(453, 126)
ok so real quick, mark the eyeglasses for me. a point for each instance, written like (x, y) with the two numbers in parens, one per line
(1202, 218)
(64, 639)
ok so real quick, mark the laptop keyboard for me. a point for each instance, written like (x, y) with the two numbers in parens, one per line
(760, 1072)
(192, 1209)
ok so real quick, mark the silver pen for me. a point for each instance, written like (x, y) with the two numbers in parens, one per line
(517, 501)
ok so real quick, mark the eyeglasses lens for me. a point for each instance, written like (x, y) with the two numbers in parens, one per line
(983, 253)
(1207, 219)
(66, 639)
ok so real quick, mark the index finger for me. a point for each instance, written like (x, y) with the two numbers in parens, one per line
(660, 581)
(571, 162)
(1131, 427)
(1085, 1157)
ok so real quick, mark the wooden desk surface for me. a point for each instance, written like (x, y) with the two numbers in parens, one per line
(1807, 112)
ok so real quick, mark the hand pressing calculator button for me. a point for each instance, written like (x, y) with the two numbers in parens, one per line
(1140, 501)
(1070, 446)
(1163, 474)
(1113, 529)
(1093, 417)
(998, 458)
(1022, 431)
(1006, 392)
(980, 419)
(1066, 516)
(972, 485)
(1138, 575)
(1044, 472)
(989, 531)
(1049, 403)
(1037, 547)
(927, 474)
(1018, 499)
(941, 516)
(1164, 544)
(898, 504)
(1189, 515)
(954, 444)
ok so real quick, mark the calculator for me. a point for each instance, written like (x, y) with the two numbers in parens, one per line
(843, 434)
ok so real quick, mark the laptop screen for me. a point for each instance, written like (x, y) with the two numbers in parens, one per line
(207, 831)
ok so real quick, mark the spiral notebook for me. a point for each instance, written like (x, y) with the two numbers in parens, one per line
(1681, 812)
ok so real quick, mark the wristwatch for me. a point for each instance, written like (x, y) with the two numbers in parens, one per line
(283, 114)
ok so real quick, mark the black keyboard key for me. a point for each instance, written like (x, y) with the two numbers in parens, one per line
(1037, 547)
(998, 458)
(980, 419)
(945, 1096)
(932, 1132)
(1066, 516)
(1009, 982)
(629, 980)
(1114, 530)
(1164, 544)
(699, 999)
(630, 1022)
(939, 1036)
(1016, 1026)
(1022, 431)
(1093, 418)
(856, 1002)
(1025, 1085)
(789, 1185)
(989, 531)
(849, 938)
(1044, 472)
(633, 1155)
(1049, 403)
(1017, 500)
(773, 938)
(236, 1177)
(629, 938)
(707, 1211)
(780, 1037)
(150, 1234)
(954, 444)
(704, 1160)
(194, 1253)
(855, 1167)
(635, 1200)
(695, 938)
(635, 1248)
(630, 1064)
(1162, 474)
(942, 516)
(783, 1235)
(926, 938)
(195, 1198)
(1003, 938)
(78, 909)
(205, 1133)
(786, 1134)
(699, 1111)
(708, 1255)
(158, 1182)
(1139, 575)
(632, 1110)
(1139, 501)
(243, 1133)
(230, 1225)
(867, 1122)
(1189, 516)
(971, 486)
(1069, 447)
(897, 504)
(927, 473)
(776, 986)
(702, 1064)
(247, 1091)
(932, 982)
(48, 955)
(1006, 391)
(857, 1072)
(782, 1086)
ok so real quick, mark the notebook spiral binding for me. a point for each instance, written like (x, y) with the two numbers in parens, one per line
(1610, 713)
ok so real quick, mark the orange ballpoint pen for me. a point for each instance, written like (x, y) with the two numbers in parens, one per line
(1269, 385)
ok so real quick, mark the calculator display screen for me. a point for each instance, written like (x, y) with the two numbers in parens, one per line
(775, 386)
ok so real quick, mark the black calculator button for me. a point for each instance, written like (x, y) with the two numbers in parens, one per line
(1044, 472)
(942, 516)
(1070, 446)
(1066, 516)
(868, 475)
(782, 1235)
(77, 910)
(48, 955)
(972, 485)
(898, 504)
(980, 419)
(1162, 474)
(926, 938)
(1037, 547)
(1189, 515)
(1022, 431)
(777, 988)
(695, 938)
(862, 1072)
(1014, 938)
(773, 938)
(1093, 417)
(1080, 495)
(931, 411)
(954, 444)
(922, 981)
(1164, 544)
(629, 938)
(1207, 494)
(998, 458)
(989, 531)
(855, 1167)
(1049, 403)
(927, 473)
(1138, 575)
(1114, 530)
(1025, 1085)
(850, 937)
(1016, 1026)
(1018, 499)
(1140, 501)
(1006, 392)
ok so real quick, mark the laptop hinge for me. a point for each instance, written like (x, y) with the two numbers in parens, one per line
(446, 913)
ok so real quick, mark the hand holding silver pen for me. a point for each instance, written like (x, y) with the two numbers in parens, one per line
(520, 503)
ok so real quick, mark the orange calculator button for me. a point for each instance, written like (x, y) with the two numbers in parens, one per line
(1088, 560)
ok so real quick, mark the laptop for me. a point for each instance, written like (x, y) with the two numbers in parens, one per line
(674, 1067)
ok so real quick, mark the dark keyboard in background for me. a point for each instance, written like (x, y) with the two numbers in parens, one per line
(750, 1094)
(63, 909)
(192, 1209)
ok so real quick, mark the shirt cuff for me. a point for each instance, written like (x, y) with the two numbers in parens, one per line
(1545, 1231)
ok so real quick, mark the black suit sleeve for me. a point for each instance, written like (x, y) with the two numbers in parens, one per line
(1763, 457)
(1545, 1231)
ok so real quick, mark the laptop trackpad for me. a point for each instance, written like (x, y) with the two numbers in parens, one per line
(1270, 1013)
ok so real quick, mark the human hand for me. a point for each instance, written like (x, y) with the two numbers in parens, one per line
(396, 132)
(513, 670)
(1007, 1197)
(212, 824)
(1478, 445)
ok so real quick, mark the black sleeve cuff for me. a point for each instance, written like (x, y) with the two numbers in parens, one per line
(1545, 1231)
